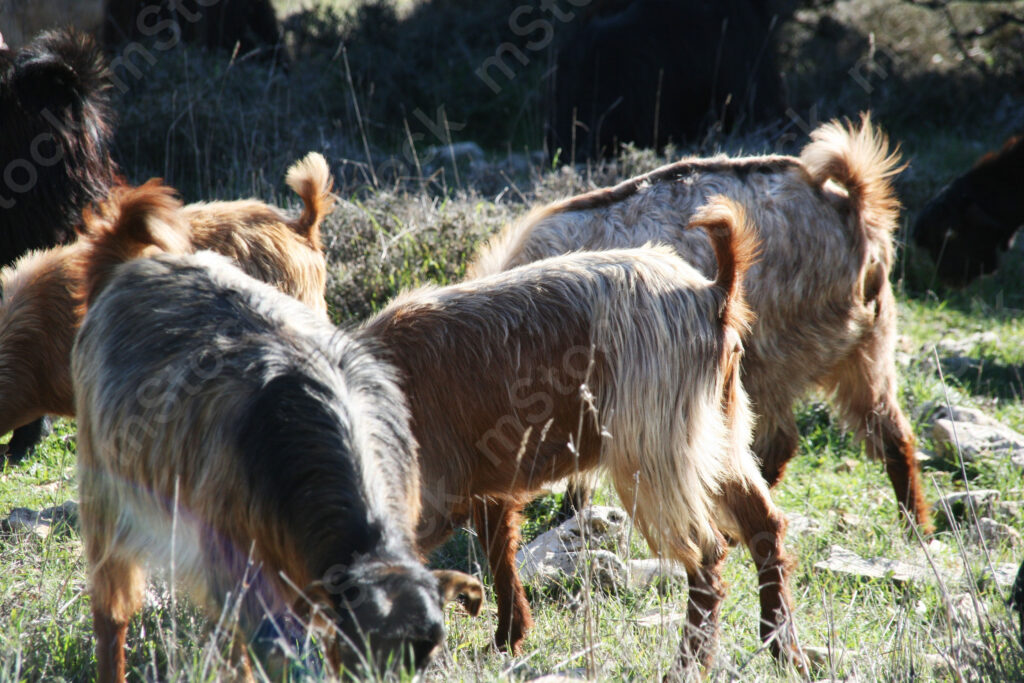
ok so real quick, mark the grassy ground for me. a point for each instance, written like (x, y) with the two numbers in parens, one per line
(221, 128)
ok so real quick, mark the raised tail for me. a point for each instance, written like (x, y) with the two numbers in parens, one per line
(311, 179)
(133, 222)
(859, 159)
(735, 248)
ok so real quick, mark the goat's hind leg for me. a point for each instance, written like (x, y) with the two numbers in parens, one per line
(118, 587)
(762, 526)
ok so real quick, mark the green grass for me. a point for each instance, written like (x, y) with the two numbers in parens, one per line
(221, 128)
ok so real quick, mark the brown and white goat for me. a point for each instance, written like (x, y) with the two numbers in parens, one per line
(233, 434)
(37, 312)
(825, 311)
(628, 360)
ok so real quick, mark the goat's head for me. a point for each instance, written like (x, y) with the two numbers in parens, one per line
(386, 615)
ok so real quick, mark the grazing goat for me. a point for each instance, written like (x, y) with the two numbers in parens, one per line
(623, 359)
(970, 222)
(231, 432)
(825, 312)
(56, 127)
(38, 317)
(656, 71)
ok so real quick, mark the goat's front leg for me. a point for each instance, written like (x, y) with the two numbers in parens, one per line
(497, 522)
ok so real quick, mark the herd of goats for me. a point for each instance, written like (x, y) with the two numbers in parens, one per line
(217, 405)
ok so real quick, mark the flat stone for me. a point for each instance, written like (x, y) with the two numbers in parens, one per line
(843, 561)
(595, 538)
(993, 532)
(824, 657)
(976, 439)
(657, 618)
(659, 573)
(800, 525)
(62, 518)
(958, 505)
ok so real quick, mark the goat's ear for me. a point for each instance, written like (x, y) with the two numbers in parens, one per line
(462, 587)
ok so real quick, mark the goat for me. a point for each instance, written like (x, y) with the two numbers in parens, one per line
(825, 311)
(272, 450)
(657, 71)
(970, 222)
(624, 359)
(56, 127)
(38, 318)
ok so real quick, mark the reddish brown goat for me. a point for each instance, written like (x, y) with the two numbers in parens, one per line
(625, 359)
(38, 319)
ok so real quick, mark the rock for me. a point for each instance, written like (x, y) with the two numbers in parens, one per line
(462, 151)
(661, 574)
(827, 657)
(658, 618)
(597, 535)
(958, 505)
(61, 518)
(847, 465)
(993, 532)
(843, 561)
(963, 346)
(1002, 575)
(800, 525)
(976, 438)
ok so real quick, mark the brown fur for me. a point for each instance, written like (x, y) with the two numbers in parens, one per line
(622, 359)
(826, 315)
(37, 312)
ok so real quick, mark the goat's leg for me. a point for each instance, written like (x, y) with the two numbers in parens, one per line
(762, 527)
(578, 491)
(704, 605)
(498, 524)
(25, 438)
(865, 391)
(117, 592)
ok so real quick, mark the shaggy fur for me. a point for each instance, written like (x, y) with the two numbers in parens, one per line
(37, 314)
(56, 126)
(622, 359)
(825, 312)
(193, 380)
(971, 221)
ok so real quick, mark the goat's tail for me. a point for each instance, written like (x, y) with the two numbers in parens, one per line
(132, 222)
(859, 159)
(311, 179)
(735, 248)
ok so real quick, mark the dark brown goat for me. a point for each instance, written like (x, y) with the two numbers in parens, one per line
(970, 222)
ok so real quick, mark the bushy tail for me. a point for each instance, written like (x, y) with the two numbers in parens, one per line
(311, 179)
(859, 159)
(735, 248)
(133, 222)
